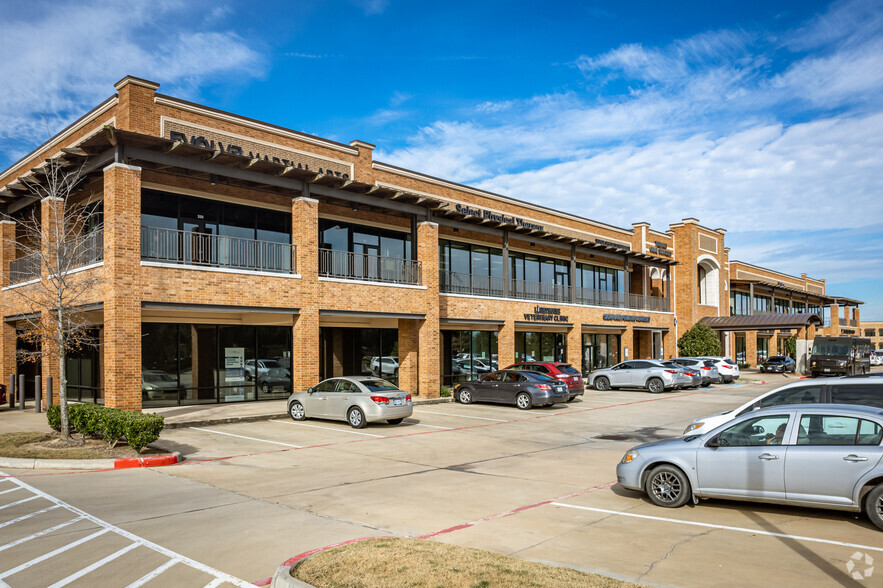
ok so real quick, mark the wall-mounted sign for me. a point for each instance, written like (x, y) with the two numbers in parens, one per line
(500, 218)
(546, 314)
(635, 318)
(660, 244)
(611, 244)
(657, 251)
(216, 140)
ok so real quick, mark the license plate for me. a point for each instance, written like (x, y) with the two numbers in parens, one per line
(397, 402)
(827, 369)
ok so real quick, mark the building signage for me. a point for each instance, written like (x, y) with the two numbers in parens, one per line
(215, 140)
(627, 317)
(611, 244)
(660, 249)
(500, 218)
(546, 314)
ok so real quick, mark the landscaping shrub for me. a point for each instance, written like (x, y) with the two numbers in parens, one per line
(86, 419)
(142, 429)
(53, 415)
(698, 341)
(113, 424)
(109, 424)
(445, 391)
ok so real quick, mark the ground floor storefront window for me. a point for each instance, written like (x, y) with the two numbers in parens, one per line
(599, 351)
(196, 364)
(467, 355)
(540, 346)
(359, 352)
(740, 348)
(83, 371)
(763, 349)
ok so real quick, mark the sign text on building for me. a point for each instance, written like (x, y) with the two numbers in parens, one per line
(546, 314)
(500, 218)
(627, 317)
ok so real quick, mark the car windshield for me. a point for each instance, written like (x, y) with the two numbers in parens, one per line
(541, 377)
(378, 385)
(568, 369)
(270, 363)
(163, 377)
(830, 349)
(776, 359)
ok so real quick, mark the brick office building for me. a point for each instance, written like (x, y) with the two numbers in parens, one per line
(239, 260)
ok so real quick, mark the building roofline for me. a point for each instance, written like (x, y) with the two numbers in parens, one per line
(760, 267)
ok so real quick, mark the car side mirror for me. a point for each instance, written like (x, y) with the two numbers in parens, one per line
(311, 390)
(713, 442)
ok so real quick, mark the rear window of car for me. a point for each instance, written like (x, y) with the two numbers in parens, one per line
(729, 362)
(378, 385)
(708, 363)
(542, 377)
(863, 394)
(568, 369)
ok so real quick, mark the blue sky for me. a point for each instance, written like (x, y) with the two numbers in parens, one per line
(764, 118)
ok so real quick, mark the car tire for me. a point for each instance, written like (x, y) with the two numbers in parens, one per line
(265, 388)
(655, 386)
(706, 384)
(464, 396)
(356, 418)
(874, 506)
(667, 486)
(394, 421)
(602, 384)
(296, 411)
(523, 401)
(570, 398)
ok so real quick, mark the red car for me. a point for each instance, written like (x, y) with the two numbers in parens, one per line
(2, 394)
(563, 371)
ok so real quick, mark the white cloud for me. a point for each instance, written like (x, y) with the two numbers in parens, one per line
(64, 61)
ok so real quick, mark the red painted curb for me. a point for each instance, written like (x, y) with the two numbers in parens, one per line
(145, 462)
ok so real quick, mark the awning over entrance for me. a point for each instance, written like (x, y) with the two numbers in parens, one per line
(762, 322)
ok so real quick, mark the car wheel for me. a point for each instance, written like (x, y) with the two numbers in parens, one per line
(297, 412)
(265, 388)
(874, 505)
(706, 384)
(394, 421)
(602, 384)
(655, 386)
(667, 486)
(464, 396)
(356, 418)
(570, 399)
(523, 401)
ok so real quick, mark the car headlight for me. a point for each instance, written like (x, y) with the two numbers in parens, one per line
(842, 363)
(149, 387)
(693, 427)
(629, 456)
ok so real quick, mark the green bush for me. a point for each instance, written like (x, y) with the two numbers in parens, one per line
(445, 391)
(142, 429)
(53, 415)
(86, 419)
(113, 424)
(699, 341)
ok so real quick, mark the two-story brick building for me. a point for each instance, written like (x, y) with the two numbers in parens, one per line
(238, 260)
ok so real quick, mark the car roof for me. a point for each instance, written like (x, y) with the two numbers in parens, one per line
(843, 409)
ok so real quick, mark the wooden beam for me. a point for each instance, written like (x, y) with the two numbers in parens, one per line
(110, 133)
(396, 196)
(374, 188)
(252, 162)
(78, 151)
(288, 168)
(173, 146)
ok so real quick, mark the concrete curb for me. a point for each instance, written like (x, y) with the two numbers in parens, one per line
(90, 464)
(282, 579)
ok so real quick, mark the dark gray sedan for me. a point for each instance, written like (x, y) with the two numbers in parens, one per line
(779, 363)
(523, 389)
(816, 455)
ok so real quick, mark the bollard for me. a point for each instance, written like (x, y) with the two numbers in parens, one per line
(21, 391)
(49, 391)
(11, 391)
(38, 394)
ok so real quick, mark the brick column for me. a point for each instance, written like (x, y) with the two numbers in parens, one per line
(751, 348)
(627, 341)
(305, 236)
(409, 374)
(506, 343)
(575, 346)
(122, 273)
(7, 337)
(51, 212)
(429, 336)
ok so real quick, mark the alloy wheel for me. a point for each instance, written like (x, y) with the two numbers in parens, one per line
(666, 487)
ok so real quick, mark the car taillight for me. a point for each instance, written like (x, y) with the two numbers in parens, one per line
(705, 368)
(408, 398)
(544, 387)
(671, 371)
(380, 399)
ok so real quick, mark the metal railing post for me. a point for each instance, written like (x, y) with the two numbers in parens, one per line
(49, 391)
(11, 391)
(38, 394)
(21, 391)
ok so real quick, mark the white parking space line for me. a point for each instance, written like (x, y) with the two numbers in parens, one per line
(461, 416)
(328, 428)
(95, 566)
(722, 527)
(52, 554)
(10, 490)
(152, 574)
(249, 438)
(19, 502)
(214, 583)
(432, 426)
(40, 534)
(27, 516)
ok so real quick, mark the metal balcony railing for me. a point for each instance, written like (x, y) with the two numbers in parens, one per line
(372, 268)
(25, 268)
(195, 248)
(79, 252)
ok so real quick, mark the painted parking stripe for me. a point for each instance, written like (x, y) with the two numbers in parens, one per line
(40, 534)
(152, 574)
(95, 566)
(328, 428)
(722, 527)
(19, 502)
(462, 416)
(249, 438)
(432, 426)
(10, 490)
(52, 554)
(27, 516)
(214, 583)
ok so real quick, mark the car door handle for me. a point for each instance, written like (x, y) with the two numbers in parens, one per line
(767, 456)
(854, 457)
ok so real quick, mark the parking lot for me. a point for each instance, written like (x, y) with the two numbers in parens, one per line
(537, 484)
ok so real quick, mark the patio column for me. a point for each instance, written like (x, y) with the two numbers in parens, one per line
(506, 343)
(7, 338)
(429, 336)
(305, 332)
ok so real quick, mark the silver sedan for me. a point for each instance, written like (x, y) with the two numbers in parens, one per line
(358, 400)
(816, 455)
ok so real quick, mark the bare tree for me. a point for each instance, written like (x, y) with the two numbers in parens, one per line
(48, 294)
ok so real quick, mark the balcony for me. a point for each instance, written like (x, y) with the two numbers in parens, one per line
(218, 251)
(74, 254)
(370, 268)
(460, 283)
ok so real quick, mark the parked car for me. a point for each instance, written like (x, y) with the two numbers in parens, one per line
(472, 366)
(695, 378)
(706, 368)
(821, 456)
(270, 374)
(864, 390)
(2, 393)
(728, 369)
(877, 357)
(358, 400)
(384, 366)
(649, 374)
(780, 364)
(158, 385)
(562, 371)
(521, 388)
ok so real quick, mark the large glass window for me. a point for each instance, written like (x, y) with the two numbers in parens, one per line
(739, 303)
(468, 354)
(782, 305)
(740, 349)
(540, 347)
(763, 349)
(762, 303)
(599, 351)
